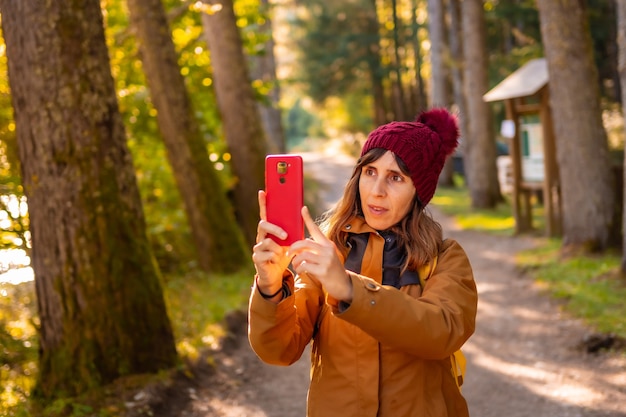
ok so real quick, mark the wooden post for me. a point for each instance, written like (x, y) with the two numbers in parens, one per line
(551, 193)
(514, 152)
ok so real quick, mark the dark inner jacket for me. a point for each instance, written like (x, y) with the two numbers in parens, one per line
(394, 257)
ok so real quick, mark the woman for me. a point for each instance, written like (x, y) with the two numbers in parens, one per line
(381, 342)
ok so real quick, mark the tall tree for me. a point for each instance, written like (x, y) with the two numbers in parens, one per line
(456, 59)
(397, 90)
(479, 150)
(439, 94)
(99, 295)
(241, 122)
(439, 70)
(373, 60)
(586, 194)
(263, 68)
(419, 94)
(216, 234)
(621, 67)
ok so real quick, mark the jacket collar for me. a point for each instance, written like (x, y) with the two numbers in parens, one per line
(357, 224)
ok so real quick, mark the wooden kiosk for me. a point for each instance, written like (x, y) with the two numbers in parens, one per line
(532, 145)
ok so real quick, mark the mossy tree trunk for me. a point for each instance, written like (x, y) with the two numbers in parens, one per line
(241, 121)
(98, 290)
(217, 236)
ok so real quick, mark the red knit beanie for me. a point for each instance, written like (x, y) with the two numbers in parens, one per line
(423, 145)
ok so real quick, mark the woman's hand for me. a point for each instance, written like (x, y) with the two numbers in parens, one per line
(270, 259)
(317, 257)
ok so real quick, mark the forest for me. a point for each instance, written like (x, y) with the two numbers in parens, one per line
(133, 136)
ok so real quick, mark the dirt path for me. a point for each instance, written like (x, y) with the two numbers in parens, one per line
(523, 360)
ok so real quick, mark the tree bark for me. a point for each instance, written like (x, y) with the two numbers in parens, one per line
(582, 151)
(439, 94)
(99, 295)
(399, 104)
(263, 68)
(421, 102)
(439, 86)
(621, 69)
(479, 149)
(374, 65)
(242, 125)
(217, 237)
(456, 60)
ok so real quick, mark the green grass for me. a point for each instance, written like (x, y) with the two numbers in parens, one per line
(456, 202)
(591, 287)
(197, 304)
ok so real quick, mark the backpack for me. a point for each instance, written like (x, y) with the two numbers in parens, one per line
(458, 362)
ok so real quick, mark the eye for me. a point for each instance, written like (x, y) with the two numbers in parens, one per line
(369, 171)
(397, 178)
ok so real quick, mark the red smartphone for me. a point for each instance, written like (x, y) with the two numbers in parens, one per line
(284, 185)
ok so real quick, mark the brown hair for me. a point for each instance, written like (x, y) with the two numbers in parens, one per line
(420, 234)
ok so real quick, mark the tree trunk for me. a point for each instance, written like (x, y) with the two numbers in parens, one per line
(242, 125)
(99, 295)
(375, 69)
(581, 142)
(421, 102)
(621, 68)
(479, 144)
(455, 37)
(217, 237)
(614, 91)
(456, 59)
(263, 68)
(396, 81)
(440, 95)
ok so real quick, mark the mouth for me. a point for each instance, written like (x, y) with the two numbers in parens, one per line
(376, 210)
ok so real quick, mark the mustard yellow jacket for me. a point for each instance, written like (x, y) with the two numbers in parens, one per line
(387, 354)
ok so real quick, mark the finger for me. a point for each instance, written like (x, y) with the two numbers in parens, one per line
(261, 231)
(304, 267)
(268, 228)
(277, 231)
(301, 258)
(265, 228)
(262, 206)
(267, 251)
(313, 229)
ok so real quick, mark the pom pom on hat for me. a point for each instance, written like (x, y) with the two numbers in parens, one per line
(445, 125)
(423, 145)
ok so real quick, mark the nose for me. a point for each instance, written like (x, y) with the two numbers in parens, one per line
(379, 187)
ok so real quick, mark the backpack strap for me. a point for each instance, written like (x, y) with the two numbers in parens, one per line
(425, 271)
(459, 365)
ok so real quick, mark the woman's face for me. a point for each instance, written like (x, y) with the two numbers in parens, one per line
(386, 193)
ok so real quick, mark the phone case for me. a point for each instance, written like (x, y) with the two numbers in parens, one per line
(284, 195)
